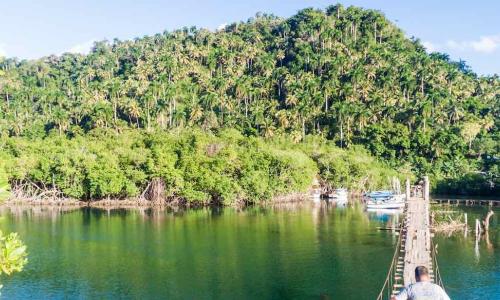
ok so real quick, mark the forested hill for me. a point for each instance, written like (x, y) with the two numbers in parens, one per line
(347, 74)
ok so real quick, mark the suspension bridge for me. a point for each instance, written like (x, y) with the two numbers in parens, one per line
(414, 246)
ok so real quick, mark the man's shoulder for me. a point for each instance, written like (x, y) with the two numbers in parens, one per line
(426, 289)
(424, 284)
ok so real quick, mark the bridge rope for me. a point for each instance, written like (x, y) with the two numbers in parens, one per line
(437, 273)
(388, 282)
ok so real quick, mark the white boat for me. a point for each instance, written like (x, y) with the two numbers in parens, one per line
(338, 195)
(385, 204)
(384, 200)
(384, 211)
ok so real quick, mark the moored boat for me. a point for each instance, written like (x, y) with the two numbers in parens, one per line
(338, 195)
(385, 211)
(384, 200)
(391, 204)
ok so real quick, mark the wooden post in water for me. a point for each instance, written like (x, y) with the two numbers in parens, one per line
(426, 188)
(478, 229)
(466, 228)
(486, 222)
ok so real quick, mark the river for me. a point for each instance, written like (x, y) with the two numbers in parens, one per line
(299, 251)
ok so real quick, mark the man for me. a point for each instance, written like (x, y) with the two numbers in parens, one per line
(423, 289)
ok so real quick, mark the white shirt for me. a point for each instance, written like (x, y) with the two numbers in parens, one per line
(424, 290)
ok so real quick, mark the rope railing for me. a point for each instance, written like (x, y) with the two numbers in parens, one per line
(388, 282)
(437, 273)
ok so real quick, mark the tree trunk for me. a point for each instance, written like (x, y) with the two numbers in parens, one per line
(170, 114)
(156, 192)
(148, 118)
(115, 108)
(246, 107)
(341, 133)
(174, 112)
(303, 128)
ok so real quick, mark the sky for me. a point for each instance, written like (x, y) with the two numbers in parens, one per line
(467, 30)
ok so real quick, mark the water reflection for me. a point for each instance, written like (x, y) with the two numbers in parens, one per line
(279, 251)
(300, 250)
(36, 211)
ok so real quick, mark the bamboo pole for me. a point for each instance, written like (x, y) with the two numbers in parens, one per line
(426, 188)
(407, 189)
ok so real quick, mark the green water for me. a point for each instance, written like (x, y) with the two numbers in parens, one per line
(471, 272)
(291, 252)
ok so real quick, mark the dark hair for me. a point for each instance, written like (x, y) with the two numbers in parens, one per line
(421, 271)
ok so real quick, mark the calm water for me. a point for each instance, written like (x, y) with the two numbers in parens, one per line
(469, 272)
(293, 252)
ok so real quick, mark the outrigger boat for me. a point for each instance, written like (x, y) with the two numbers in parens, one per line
(384, 200)
(385, 211)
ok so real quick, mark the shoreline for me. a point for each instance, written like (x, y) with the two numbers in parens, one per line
(141, 203)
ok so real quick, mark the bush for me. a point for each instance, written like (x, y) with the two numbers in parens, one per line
(12, 254)
(196, 166)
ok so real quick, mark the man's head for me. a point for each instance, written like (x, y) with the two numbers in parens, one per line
(421, 274)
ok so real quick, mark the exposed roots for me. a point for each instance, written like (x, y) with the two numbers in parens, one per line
(28, 192)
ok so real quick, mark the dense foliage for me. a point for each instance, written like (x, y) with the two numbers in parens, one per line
(4, 181)
(346, 74)
(196, 167)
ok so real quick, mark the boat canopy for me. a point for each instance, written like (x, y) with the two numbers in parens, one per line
(380, 194)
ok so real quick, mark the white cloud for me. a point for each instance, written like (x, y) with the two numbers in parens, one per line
(485, 44)
(82, 48)
(221, 26)
(430, 47)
